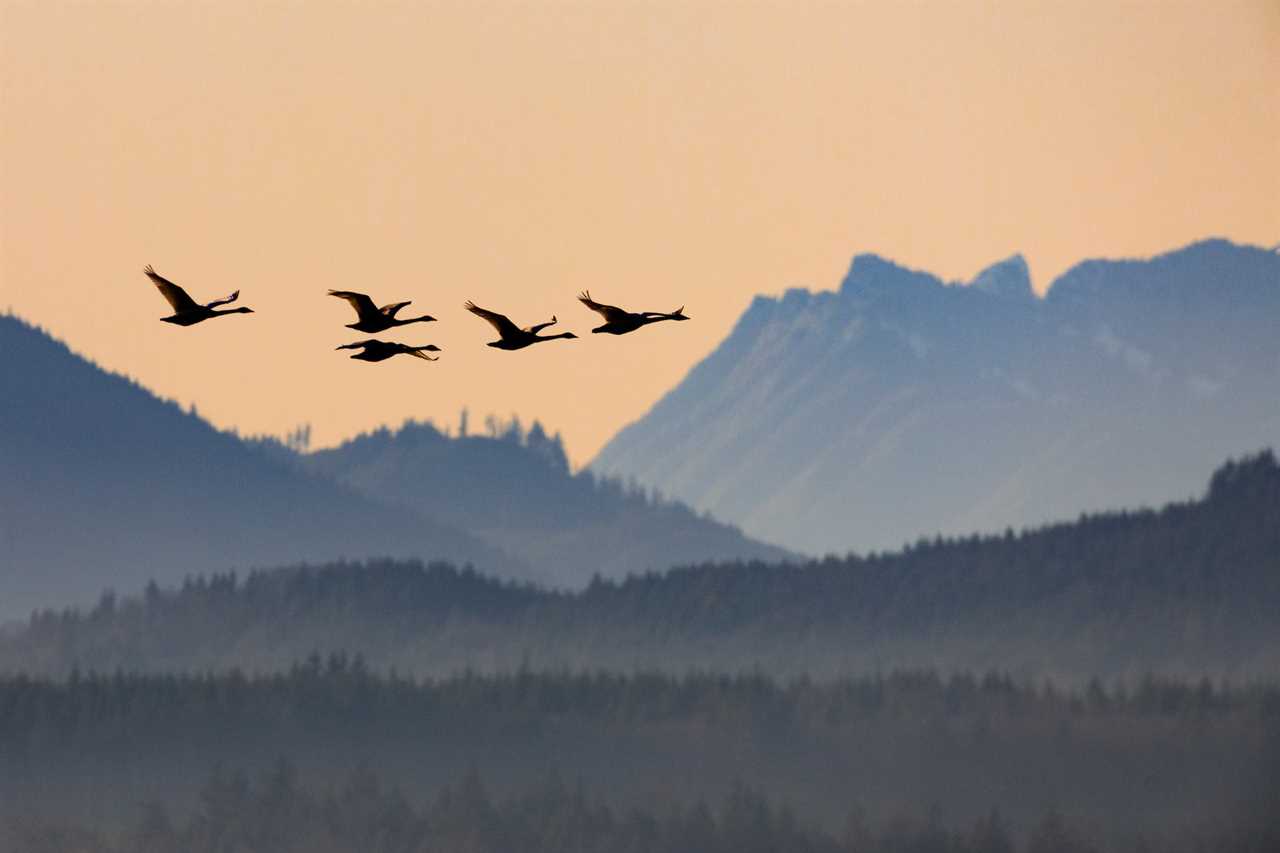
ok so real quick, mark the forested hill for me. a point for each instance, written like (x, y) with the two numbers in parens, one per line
(104, 484)
(1190, 589)
(902, 405)
(512, 487)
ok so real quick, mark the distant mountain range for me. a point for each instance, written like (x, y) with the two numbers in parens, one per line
(102, 484)
(900, 405)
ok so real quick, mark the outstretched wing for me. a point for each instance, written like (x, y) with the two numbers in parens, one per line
(611, 313)
(232, 298)
(393, 308)
(363, 304)
(177, 297)
(505, 327)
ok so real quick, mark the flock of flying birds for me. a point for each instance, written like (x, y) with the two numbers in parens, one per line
(372, 319)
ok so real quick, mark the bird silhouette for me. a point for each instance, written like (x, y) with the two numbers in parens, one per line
(375, 350)
(619, 322)
(373, 318)
(186, 311)
(511, 336)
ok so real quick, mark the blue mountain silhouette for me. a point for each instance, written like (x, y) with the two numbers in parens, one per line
(901, 405)
(102, 484)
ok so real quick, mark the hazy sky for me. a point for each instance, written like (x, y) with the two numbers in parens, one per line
(514, 153)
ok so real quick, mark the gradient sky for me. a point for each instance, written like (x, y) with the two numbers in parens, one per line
(514, 153)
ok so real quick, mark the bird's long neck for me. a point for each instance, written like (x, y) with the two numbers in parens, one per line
(553, 337)
(215, 311)
(425, 318)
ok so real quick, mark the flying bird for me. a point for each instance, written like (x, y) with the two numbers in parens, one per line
(373, 318)
(374, 350)
(512, 336)
(186, 311)
(619, 322)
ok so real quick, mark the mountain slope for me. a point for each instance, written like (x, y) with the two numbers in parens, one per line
(901, 406)
(514, 490)
(1189, 590)
(103, 484)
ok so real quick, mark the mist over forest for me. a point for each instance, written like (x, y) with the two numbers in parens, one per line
(1158, 760)
(384, 690)
(1189, 590)
(1045, 621)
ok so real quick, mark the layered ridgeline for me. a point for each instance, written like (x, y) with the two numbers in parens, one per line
(1189, 590)
(513, 488)
(103, 484)
(901, 406)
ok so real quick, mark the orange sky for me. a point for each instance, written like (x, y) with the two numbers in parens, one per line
(515, 153)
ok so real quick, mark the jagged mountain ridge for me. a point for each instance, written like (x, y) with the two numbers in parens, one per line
(900, 406)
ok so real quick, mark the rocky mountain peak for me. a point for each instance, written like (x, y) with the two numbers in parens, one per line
(1009, 278)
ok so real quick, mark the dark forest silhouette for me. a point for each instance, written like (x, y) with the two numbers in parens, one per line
(1160, 758)
(279, 812)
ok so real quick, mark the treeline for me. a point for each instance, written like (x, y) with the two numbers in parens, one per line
(513, 488)
(1160, 755)
(1187, 590)
(276, 813)
(318, 689)
(505, 454)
